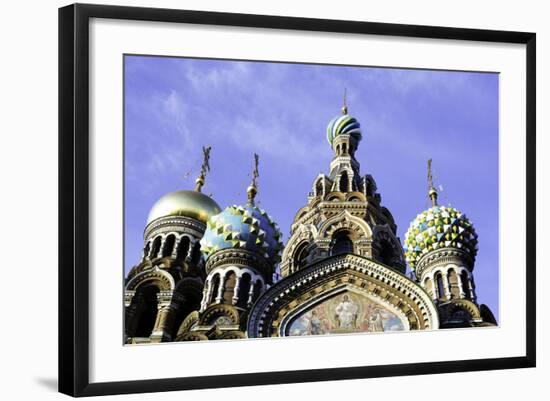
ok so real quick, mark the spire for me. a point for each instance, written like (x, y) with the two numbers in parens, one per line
(252, 190)
(432, 192)
(345, 106)
(204, 168)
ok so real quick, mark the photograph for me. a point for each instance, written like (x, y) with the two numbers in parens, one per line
(277, 198)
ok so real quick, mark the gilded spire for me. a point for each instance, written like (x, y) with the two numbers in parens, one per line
(252, 190)
(345, 106)
(432, 192)
(204, 168)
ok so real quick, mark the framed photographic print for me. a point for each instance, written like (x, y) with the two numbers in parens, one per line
(256, 199)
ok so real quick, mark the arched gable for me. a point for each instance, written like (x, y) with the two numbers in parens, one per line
(308, 286)
(304, 233)
(334, 316)
(159, 277)
(345, 221)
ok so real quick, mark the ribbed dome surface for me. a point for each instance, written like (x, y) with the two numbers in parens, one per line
(344, 124)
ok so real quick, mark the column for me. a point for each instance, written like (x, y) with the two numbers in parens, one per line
(251, 293)
(219, 296)
(130, 311)
(190, 250)
(459, 283)
(446, 285)
(159, 254)
(236, 290)
(165, 318)
(206, 295)
(434, 289)
(471, 287)
(176, 245)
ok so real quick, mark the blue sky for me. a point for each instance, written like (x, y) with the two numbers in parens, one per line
(174, 106)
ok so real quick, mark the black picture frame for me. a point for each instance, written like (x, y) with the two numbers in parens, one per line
(74, 194)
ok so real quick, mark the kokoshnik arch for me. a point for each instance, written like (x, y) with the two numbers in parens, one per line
(207, 273)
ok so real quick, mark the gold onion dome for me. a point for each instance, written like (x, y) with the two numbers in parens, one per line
(185, 203)
(439, 227)
(192, 204)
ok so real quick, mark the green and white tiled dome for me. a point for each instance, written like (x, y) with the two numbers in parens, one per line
(243, 227)
(439, 227)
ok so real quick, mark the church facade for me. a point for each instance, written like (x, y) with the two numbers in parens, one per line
(207, 273)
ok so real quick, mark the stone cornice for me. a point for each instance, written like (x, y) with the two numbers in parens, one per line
(179, 224)
(288, 287)
(239, 257)
(443, 256)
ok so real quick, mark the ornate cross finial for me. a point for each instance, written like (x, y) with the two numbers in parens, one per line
(204, 168)
(345, 106)
(432, 192)
(252, 190)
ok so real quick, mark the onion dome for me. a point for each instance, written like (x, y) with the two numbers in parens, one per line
(344, 124)
(439, 227)
(243, 227)
(193, 204)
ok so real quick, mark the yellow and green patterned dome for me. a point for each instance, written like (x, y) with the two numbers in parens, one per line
(243, 227)
(439, 227)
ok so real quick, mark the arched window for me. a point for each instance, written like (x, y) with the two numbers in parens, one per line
(146, 311)
(156, 247)
(344, 182)
(183, 248)
(300, 256)
(214, 288)
(244, 289)
(147, 249)
(440, 287)
(341, 243)
(168, 245)
(344, 148)
(453, 281)
(196, 254)
(465, 283)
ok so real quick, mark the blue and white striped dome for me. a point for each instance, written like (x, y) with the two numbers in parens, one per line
(344, 124)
